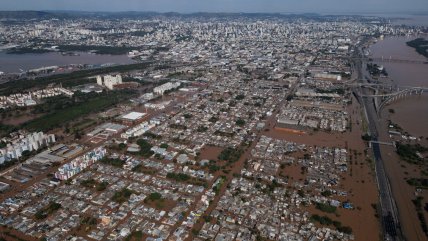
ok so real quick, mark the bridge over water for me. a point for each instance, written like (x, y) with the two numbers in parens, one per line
(381, 143)
(385, 94)
(391, 60)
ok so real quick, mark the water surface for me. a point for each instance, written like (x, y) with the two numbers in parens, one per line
(14, 63)
(411, 113)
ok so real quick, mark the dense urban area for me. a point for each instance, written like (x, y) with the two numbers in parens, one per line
(224, 127)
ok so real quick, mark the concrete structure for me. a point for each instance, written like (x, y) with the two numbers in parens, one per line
(165, 87)
(29, 98)
(106, 129)
(31, 142)
(133, 116)
(4, 186)
(138, 130)
(109, 81)
(77, 165)
(288, 123)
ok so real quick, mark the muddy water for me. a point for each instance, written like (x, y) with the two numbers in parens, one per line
(410, 113)
(14, 63)
(402, 73)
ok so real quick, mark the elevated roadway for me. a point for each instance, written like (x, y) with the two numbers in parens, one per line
(388, 210)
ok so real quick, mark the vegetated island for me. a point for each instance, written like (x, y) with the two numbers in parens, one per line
(420, 45)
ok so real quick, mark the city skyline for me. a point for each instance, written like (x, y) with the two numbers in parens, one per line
(187, 6)
(220, 120)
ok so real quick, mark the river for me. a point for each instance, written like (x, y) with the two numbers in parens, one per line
(14, 63)
(412, 20)
(403, 19)
(410, 113)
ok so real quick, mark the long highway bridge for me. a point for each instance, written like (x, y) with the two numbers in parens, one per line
(385, 94)
(390, 60)
(388, 211)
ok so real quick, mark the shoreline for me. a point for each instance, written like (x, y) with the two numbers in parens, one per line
(396, 169)
(7, 60)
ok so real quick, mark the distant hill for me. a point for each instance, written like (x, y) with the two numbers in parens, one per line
(26, 14)
(141, 14)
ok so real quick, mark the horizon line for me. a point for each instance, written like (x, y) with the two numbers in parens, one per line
(422, 13)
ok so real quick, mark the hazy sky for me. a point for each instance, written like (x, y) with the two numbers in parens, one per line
(283, 6)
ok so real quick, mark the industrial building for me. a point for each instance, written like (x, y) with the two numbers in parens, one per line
(132, 117)
(138, 130)
(160, 90)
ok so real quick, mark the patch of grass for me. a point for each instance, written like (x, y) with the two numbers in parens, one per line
(101, 186)
(230, 154)
(122, 195)
(326, 193)
(48, 210)
(240, 122)
(202, 129)
(418, 205)
(90, 221)
(324, 220)
(143, 169)
(136, 235)
(325, 207)
(76, 110)
(409, 152)
(89, 183)
(145, 148)
(112, 162)
(154, 196)
(182, 177)
(418, 182)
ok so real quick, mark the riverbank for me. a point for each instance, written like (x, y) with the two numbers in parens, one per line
(16, 63)
(420, 45)
(411, 114)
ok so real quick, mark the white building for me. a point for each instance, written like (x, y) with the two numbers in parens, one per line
(168, 86)
(109, 81)
(133, 116)
(138, 130)
(31, 142)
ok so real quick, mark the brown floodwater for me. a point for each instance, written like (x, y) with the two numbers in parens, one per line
(411, 113)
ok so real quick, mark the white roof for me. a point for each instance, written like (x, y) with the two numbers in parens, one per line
(133, 116)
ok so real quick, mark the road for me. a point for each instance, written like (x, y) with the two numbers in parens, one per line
(239, 165)
(389, 213)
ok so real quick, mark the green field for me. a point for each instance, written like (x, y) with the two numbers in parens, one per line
(67, 80)
(76, 110)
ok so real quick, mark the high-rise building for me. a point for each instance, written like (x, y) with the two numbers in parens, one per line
(109, 81)
(31, 142)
